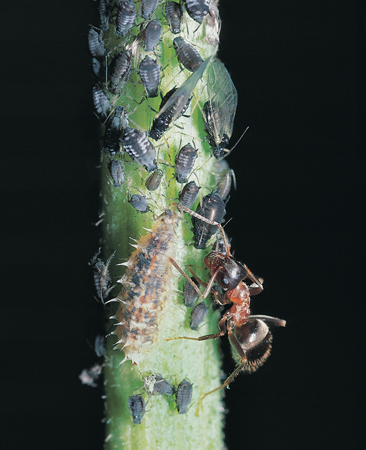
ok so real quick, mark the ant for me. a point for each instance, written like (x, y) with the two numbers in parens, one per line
(249, 335)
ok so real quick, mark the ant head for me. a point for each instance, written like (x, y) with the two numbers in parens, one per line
(255, 339)
(229, 271)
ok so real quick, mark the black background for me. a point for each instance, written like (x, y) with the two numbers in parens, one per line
(298, 221)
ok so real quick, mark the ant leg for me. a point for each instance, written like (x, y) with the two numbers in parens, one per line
(258, 287)
(236, 344)
(222, 328)
(273, 320)
(211, 222)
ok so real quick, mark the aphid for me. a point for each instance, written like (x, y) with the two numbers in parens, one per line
(152, 34)
(102, 278)
(183, 396)
(156, 384)
(117, 172)
(121, 69)
(116, 125)
(96, 44)
(104, 14)
(145, 295)
(199, 313)
(150, 76)
(175, 103)
(189, 194)
(101, 101)
(184, 163)
(99, 347)
(140, 149)
(198, 9)
(190, 295)
(139, 202)
(148, 8)
(136, 407)
(91, 376)
(249, 335)
(126, 15)
(153, 182)
(223, 178)
(187, 55)
(219, 110)
(212, 208)
(174, 14)
(96, 66)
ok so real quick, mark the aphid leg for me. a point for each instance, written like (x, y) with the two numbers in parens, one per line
(238, 348)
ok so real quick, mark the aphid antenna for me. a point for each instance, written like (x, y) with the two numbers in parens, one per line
(237, 142)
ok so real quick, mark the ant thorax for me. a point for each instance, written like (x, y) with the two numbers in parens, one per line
(229, 271)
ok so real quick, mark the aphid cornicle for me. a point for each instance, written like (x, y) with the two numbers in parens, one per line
(153, 182)
(184, 163)
(189, 194)
(183, 396)
(152, 34)
(223, 178)
(175, 103)
(101, 101)
(187, 55)
(140, 149)
(136, 407)
(198, 9)
(102, 278)
(190, 295)
(96, 44)
(150, 76)
(148, 8)
(104, 14)
(146, 286)
(115, 127)
(126, 15)
(212, 208)
(117, 172)
(219, 110)
(199, 313)
(139, 202)
(121, 69)
(174, 14)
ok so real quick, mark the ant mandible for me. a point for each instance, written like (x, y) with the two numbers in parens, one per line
(249, 335)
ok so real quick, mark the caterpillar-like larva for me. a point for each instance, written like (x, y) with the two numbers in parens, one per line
(145, 290)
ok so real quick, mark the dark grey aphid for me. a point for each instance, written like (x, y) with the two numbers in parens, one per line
(117, 172)
(199, 313)
(174, 14)
(223, 178)
(220, 109)
(101, 101)
(212, 208)
(136, 407)
(162, 386)
(183, 396)
(148, 8)
(140, 149)
(198, 9)
(97, 67)
(99, 346)
(96, 44)
(104, 14)
(154, 180)
(175, 103)
(102, 278)
(187, 55)
(184, 163)
(126, 15)
(139, 202)
(150, 76)
(121, 69)
(152, 34)
(189, 194)
(190, 295)
(114, 130)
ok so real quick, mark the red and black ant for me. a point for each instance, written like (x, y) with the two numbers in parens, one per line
(249, 335)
